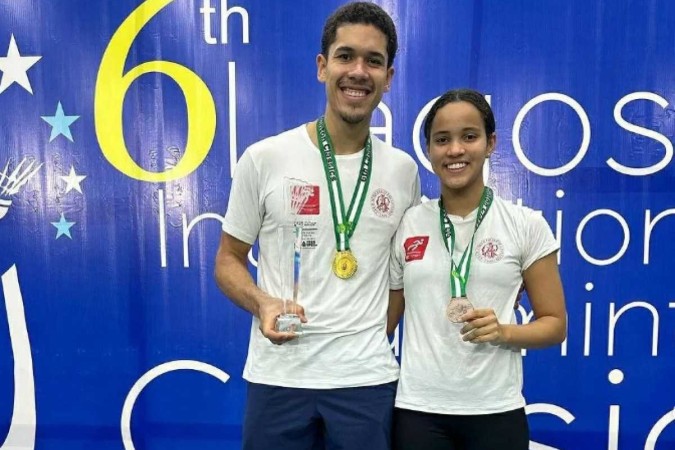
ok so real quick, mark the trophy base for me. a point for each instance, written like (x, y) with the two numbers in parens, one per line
(289, 323)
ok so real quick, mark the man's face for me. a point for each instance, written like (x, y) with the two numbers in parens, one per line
(355, 72)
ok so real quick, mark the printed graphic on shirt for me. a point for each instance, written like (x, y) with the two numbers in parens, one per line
(310, 232)
(305, 199)
(415, 247)
(489, 250)
(382, 203)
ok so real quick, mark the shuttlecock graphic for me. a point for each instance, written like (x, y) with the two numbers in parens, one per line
(11, 183)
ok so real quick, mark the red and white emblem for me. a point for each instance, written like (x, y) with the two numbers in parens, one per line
(489, 250)
(305, 199)
(415, 247)
(382, 203)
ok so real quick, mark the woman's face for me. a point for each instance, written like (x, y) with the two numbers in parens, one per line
(458, 146)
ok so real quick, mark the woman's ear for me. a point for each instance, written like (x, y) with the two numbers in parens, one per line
(492, 144)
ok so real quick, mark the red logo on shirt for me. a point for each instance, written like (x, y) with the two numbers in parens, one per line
(305, 199)
(490, 250)
(415, 247)
(382, 203)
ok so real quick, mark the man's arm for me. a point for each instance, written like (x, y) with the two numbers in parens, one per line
(233, 278)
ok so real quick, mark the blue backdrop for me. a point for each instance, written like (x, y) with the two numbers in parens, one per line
(119, 131)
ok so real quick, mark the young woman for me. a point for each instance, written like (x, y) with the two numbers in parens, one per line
(457, 265)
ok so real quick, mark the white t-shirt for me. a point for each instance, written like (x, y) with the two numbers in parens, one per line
(344, 342)
(439, 372)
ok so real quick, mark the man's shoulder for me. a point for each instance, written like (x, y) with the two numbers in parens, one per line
(392, 154)
(279, 141)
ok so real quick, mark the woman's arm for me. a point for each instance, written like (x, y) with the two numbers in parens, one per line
(544, 289)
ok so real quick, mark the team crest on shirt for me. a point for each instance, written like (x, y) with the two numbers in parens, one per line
(415, 247)
(304, 199)
(489, 250)
(382, 203)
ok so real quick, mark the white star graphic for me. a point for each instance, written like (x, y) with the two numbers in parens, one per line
(14, 68)
(73, 180)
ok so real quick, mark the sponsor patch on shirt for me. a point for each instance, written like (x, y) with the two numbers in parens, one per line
(415, 247)
(489, 250)
(382, 203)
(305, 199)
(310, 232)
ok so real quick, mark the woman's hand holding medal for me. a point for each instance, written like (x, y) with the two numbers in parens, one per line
(482, 326)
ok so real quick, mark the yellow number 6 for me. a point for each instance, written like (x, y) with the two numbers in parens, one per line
(111, 88)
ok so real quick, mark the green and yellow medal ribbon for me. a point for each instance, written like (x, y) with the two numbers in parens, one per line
(459, 273)
(344, 222)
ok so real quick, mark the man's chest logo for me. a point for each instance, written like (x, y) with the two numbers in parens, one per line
(305, 199)
(382, 203)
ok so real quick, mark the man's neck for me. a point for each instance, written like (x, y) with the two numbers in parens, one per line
(347, 138)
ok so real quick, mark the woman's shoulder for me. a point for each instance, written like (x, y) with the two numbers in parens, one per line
(422, 211)
(517, 211)
(519, 217)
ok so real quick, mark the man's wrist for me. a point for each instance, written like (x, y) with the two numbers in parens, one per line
(259, 300)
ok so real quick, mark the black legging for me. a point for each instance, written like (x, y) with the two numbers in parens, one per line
(414, 430)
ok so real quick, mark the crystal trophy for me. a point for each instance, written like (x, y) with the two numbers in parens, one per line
(296, 194)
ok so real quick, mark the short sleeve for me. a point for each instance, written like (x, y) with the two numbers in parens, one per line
(416, 190)
(245, 211)
(540, 241)
(396, 261)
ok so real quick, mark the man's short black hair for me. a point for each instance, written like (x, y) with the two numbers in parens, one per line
(360, 13)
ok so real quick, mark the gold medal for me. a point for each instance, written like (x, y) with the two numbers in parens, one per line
(344, 264)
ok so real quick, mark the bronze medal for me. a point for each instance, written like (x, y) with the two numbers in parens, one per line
(457, 307)
(344, 264)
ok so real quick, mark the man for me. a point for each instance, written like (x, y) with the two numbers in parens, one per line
(334, 386)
